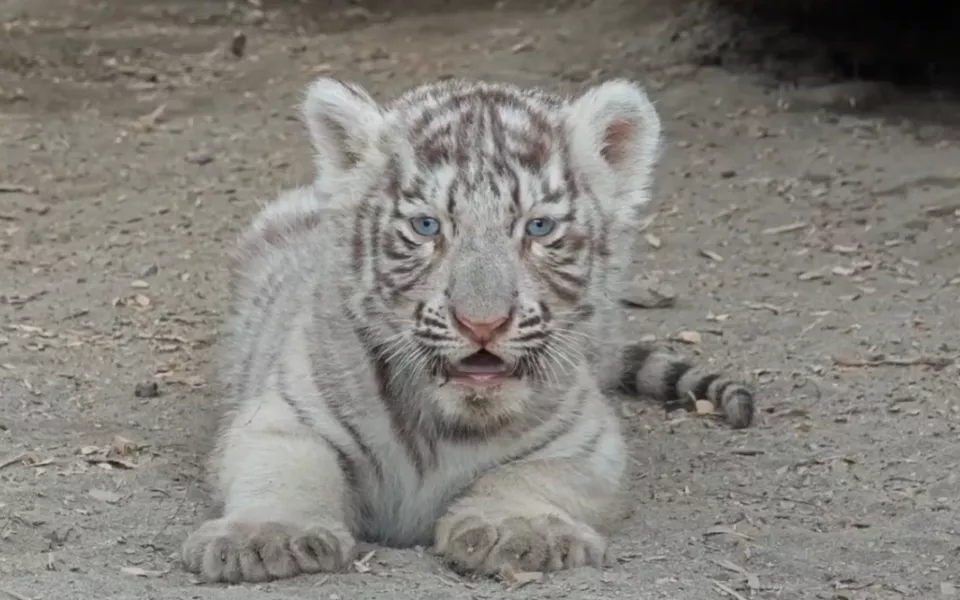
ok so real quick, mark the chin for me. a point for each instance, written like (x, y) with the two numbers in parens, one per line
(480, 406)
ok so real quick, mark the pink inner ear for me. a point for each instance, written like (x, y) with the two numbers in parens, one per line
(617, 141)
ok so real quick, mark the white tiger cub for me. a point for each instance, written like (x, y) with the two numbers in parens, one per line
(424, 338)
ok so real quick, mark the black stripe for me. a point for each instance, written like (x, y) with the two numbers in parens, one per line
(674, 373)
(530, 336)
(633, 358)
(258, 320)
(721, 390)
(702, 388)
(529, 321)
(303, 417)
(400, 424)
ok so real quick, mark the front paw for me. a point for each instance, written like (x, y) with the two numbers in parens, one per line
(235, 550)
(478, 545)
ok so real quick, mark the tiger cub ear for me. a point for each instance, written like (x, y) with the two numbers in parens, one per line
(344, 122)
(613, 133)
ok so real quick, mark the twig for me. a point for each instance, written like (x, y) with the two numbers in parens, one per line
(895, 361)
(726, 589)
(938, 289)
(152, 542)
(784, 229)
(15, 595)
(13, 460)
(771, 497)
(16, 188)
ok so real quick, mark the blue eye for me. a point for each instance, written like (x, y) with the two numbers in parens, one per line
(540, 227)
(425, 226)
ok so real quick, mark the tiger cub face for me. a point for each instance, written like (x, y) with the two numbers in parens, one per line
(483, 222)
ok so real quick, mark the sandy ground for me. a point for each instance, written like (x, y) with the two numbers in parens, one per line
(815, 252)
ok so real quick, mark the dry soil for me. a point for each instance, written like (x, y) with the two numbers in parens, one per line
(815, 251)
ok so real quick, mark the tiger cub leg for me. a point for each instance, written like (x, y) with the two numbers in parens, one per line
(538, 514)
(284, 495)
(677, 383)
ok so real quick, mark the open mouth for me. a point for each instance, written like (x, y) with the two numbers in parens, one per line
(482, 369)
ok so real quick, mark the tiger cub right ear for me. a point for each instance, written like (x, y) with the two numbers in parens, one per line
(344, 122)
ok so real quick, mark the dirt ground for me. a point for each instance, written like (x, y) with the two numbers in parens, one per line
(814, 250)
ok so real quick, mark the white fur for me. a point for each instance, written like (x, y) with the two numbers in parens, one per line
(589, 118)
(550, 487)
(345, 124)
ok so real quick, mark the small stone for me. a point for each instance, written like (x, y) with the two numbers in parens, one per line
(199, 157)
(646, 292)
(139, 284)
(689, 337)
(705, 407)
(238, 45)
(146, 389)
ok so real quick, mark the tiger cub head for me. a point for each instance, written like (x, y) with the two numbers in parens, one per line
(486, 223)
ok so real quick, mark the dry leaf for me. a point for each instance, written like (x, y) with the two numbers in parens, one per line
(843, 271)
(810, 275)
(711, 255)
(105, 496)
(841, 249)
(138, 572)
(705, 407)
(107, 462)
(689, 337)
(518, 579)
(121, 446)
(363, 565)
(646, 292)
(784, 228)
(726, 531)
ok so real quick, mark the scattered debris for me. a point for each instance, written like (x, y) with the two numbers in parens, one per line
(14, 188)
(784, 228)
(689, 337)
(146, 389)
(748, 451)
(363, 565)
(14, 595)
(648, 292)
(711, 255)
(238, 44)
(199, 157)
(9, 462)
(776, 310)
(105, 496)
(726, 531)
(753, 582)
(727, 590)
(705, 407)
(938, 362)
(140, 572)
(812, 275)
(518, 579)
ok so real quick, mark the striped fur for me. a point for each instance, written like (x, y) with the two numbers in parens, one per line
(344, 423)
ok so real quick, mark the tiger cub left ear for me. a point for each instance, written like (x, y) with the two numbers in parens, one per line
(344, 121)
(614, 133)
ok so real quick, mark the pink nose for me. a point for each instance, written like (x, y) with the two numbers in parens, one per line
(481, 331)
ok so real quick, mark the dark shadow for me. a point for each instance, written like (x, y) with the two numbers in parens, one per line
(909, 43)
